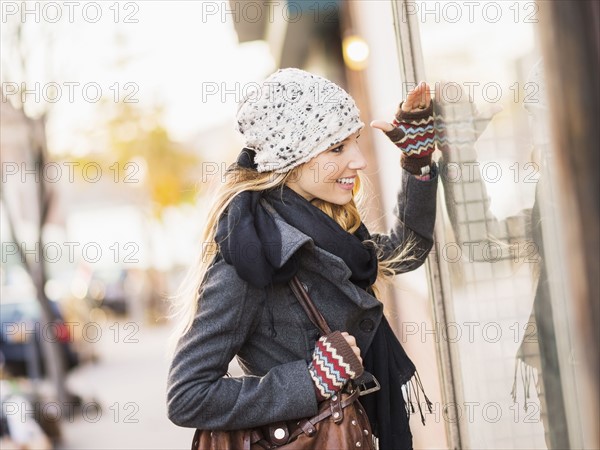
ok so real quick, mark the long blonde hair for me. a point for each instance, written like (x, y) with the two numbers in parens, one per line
(238, 179)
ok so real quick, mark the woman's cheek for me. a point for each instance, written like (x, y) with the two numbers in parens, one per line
(331, 171)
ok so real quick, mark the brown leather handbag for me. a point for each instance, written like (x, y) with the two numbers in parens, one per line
(340, 423)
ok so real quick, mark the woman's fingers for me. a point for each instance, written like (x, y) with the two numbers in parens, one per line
(412, 100)
(418, 98)
(349, 338)
(421, 95)
(352, 343)
(357, 353)
(427, 94)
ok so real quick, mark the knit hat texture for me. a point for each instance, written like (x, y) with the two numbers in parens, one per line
(294, 116)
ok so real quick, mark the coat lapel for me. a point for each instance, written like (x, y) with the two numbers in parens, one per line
(336, 270)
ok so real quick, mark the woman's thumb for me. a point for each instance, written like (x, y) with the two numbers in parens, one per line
(382, 125)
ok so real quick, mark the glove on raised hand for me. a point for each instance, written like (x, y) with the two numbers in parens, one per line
(414, 135)
(333, 364)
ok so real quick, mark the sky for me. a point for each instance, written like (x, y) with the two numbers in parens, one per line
(173, 55)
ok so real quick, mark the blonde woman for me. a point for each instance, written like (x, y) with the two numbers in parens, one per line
(289, 206)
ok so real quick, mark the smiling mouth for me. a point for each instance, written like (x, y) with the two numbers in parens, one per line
(346, 181)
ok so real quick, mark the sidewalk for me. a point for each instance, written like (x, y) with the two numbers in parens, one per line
(129, 383)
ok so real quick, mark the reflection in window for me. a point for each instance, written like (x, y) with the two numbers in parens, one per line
(505, 313)
(499, 250)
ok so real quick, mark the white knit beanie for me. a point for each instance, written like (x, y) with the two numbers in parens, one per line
(295, 116)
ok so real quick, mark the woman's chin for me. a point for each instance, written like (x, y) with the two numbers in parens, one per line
(342, 199)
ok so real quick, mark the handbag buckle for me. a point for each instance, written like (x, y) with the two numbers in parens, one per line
(365, 389)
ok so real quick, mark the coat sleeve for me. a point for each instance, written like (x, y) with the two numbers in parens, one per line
(414, 221)
(200, 394)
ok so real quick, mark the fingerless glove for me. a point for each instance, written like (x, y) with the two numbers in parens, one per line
(333, 364)
(414, 135)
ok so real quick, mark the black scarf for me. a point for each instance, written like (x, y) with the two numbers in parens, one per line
(249, 239)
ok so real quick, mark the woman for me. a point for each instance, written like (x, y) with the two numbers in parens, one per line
(287, 207)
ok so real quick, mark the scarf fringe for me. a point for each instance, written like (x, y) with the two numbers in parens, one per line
(412, 388)
(528, 373)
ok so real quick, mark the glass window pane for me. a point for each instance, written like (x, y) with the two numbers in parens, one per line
(506, 307)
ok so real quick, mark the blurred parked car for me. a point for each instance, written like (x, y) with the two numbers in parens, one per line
(22, 333)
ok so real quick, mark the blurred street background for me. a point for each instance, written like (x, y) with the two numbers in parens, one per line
(127, 384)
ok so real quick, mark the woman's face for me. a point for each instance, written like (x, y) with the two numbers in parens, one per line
(330, 175)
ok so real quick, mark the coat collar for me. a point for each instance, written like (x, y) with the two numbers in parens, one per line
(291, 238)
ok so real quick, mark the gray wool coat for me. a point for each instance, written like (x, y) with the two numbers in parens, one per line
(235, 318)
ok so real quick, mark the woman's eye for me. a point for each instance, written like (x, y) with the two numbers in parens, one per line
(337, 149)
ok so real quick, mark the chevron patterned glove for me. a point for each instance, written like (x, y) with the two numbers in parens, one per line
(414, 135)
(333, 364)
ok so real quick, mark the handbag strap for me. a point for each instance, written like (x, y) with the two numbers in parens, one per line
(319, 321)
(307, 426)
(308, 305)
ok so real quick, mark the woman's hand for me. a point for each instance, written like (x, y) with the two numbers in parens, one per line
(412, 131)
(337, 350)
(416, 101)
(352, 343)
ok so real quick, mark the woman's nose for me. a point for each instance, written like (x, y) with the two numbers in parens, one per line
(357, 159)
